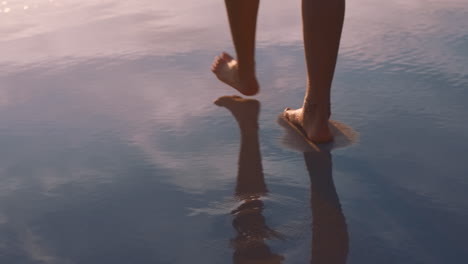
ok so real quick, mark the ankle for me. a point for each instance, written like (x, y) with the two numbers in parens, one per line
(317, 108)
(246, 71)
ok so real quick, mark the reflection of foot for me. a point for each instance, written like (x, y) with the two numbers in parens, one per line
(312, 123)
(244, 110)
(226, 69)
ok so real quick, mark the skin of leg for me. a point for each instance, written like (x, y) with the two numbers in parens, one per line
(322, 27)
(240, 73)
(242, 15)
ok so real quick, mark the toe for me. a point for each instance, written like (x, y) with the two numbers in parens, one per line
(215, 63)
(226, 56)
(215, 67)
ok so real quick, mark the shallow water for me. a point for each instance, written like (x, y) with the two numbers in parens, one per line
(112, 150)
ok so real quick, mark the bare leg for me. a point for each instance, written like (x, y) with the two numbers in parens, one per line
(322, 25)
(240, 74)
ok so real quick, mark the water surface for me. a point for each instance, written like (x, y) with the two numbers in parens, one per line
(112, 150)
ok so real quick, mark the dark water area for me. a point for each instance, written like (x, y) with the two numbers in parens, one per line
(113, 151)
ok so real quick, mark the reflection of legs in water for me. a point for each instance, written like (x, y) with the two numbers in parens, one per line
(240, 74)
(322, 25)
(250, 224)
(250, 174)
(329, 230)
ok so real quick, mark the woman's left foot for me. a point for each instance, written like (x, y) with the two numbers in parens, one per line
(313, 123)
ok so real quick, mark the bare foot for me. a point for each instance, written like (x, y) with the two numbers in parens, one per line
(244, 110)
(226, 68)
(313, 123)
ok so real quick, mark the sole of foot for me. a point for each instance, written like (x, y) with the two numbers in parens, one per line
(226, 69)
(313, 127)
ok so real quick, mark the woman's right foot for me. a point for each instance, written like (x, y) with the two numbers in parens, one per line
(226, 68)
(313, 123)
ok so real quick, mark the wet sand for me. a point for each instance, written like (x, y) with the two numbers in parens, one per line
(112, 150)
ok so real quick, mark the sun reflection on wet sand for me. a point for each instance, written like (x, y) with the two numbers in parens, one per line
(167, 32)
(16, 7)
